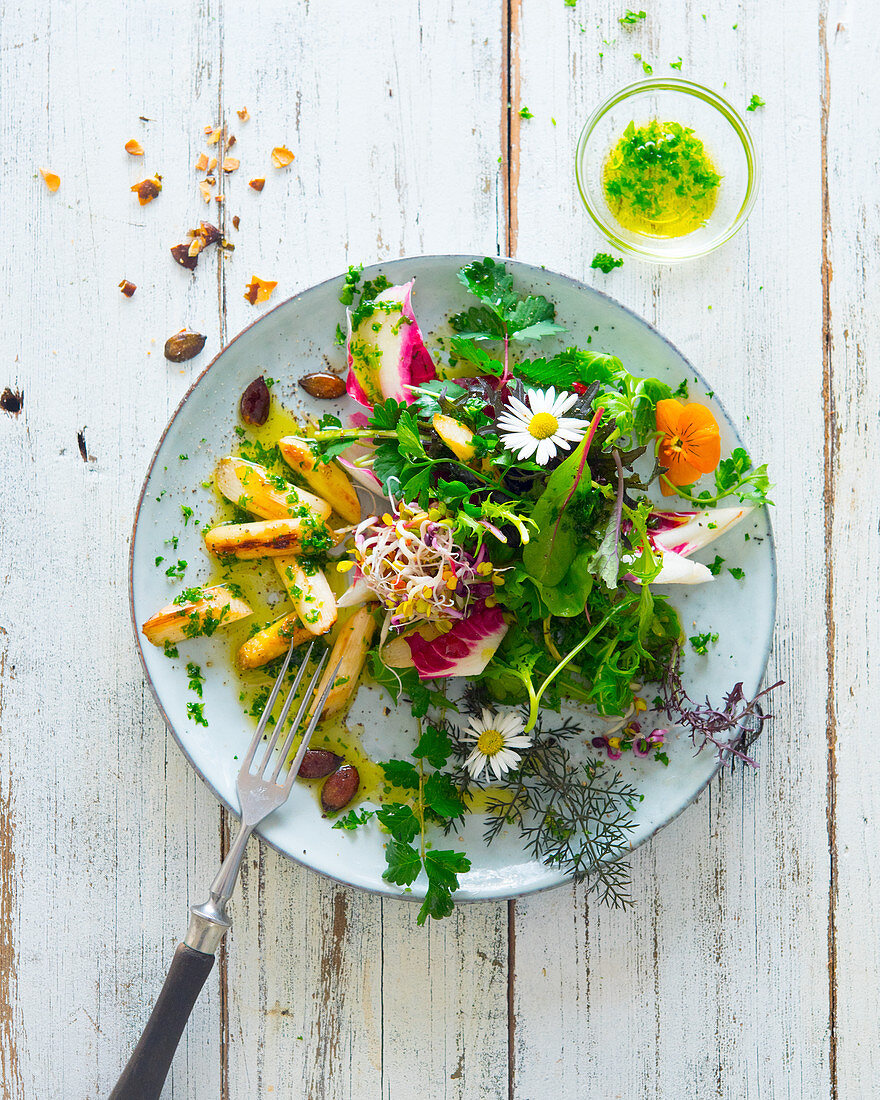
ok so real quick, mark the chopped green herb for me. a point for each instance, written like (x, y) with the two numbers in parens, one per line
(159, 559)
(646, 68)
(524, 112)
(196, 679)
(603, 261)
(170, 650)
(176, 570)
(681, 390)
(755, 102)
(701, 642)
(350, 285)
(186, 512)
(631, 17)
(196, 712)
(737, 573)
(675, 64)
(715, 566)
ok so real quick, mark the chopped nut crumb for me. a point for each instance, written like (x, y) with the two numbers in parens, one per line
(257, 184)
(236, 221)
(231, 142)
(209, 129)
(53, 181)
(281, 156)
(147, 190)
(259, 290)
(195, 247)
(210, 234)
(215, 135)
(243, 114)
(230, 164)
(219, 198)
(181, 254)
(212, 180)
(212, 164)
(227, 246)
(134, 148)
(128, 288)
(202, 163)
(205, 189)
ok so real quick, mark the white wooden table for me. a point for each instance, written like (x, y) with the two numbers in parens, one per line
(748, 968)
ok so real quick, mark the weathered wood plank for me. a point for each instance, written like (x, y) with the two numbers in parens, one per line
(729, 928)
(112, 834)
(849, 40)
(393, 113)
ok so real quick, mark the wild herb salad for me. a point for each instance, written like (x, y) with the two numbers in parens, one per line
(504, 558)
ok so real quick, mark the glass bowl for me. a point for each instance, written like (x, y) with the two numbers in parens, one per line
(728, 145)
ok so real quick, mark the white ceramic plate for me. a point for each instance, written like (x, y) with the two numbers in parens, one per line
(297, 337)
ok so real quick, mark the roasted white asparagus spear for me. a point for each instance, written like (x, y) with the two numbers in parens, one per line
(268, 537)
(309, 591)
(255, 490)
(328, 479)
(350, 650)
(271, 642)
(201, 612)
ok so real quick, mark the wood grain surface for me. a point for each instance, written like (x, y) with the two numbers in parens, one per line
(748, 967)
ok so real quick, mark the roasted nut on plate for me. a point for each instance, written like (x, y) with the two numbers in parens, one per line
(255, 402)
(340, 789)
(323, 384)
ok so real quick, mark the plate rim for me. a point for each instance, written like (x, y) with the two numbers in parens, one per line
(536, 271)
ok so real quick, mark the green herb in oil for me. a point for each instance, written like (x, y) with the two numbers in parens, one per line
(659, 180)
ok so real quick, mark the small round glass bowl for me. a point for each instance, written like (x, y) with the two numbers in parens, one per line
(728, 145)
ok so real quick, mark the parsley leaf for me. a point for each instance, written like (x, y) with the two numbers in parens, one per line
(441, 795)
(400, 821)
(404, 863)
(737, 573)
(349, 287)
(524, 112)
(755, 102)
(504, 312)
(401, 773)
(434, 747)
(631, 17)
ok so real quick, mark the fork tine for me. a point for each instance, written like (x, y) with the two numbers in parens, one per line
(267, 710)
(300, 714)
(310, 729)
(279, 725)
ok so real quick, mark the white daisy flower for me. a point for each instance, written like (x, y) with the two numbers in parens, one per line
(540, 428)
(496, 737)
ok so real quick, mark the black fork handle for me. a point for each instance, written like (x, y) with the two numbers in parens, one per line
(147, 1068)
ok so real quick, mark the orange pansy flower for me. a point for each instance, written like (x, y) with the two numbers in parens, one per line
(690, 443)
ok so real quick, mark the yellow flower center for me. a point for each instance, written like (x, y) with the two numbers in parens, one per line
(676, 444)
(543, 425)
(490, 742)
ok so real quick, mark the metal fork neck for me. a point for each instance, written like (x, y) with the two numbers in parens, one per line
(208, 922)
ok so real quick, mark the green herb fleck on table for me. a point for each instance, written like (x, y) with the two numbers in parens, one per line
(737, 573)
(170, 650)
(632, 17)
(646, 68)
(176, 571)
(603, 261)
(186, 512)
(524, 112)
(675, 64)
(755, 102)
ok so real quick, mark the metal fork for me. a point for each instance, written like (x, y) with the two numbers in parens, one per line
(259, 794)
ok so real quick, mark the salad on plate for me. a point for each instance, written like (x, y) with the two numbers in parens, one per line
(492, 539)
